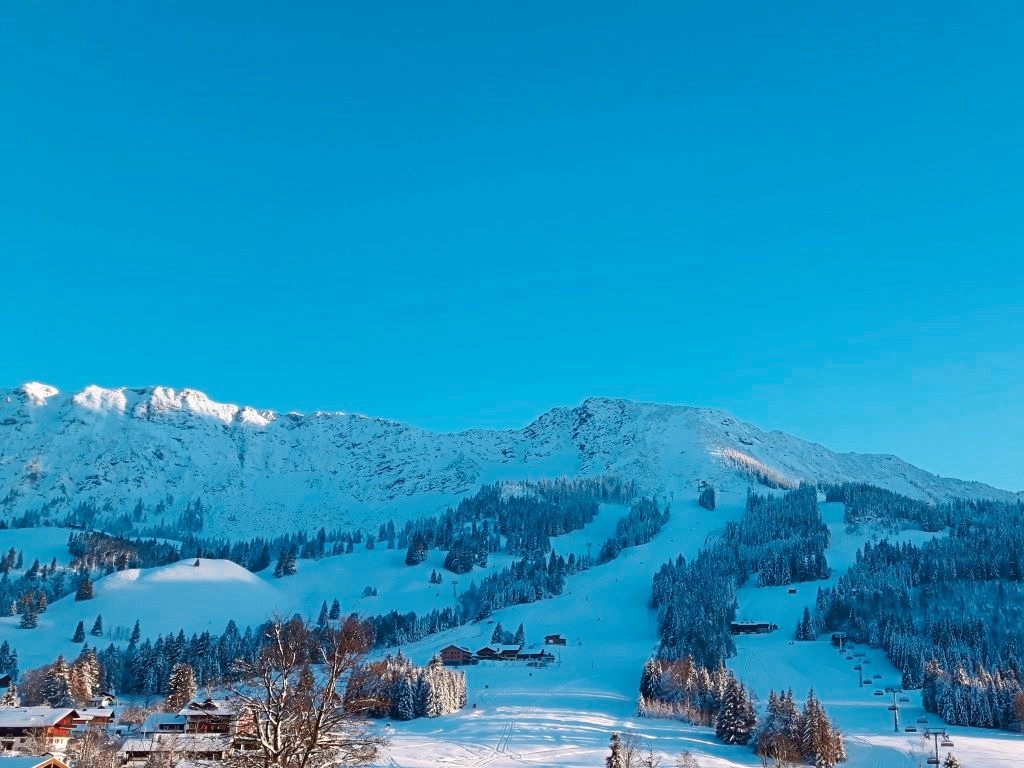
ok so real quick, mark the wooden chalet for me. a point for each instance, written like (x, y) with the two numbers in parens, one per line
(36, 729)
(752, 627)
(94, 716)
(456, 655)
(498, 652)
(209, 716)
(102, 700)
(554, 639)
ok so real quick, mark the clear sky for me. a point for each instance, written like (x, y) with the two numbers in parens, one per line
(463, 214)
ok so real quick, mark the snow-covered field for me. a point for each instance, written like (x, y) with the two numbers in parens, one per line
(562, 715)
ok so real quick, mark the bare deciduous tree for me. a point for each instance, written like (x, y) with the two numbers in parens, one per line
(290, 703)
(94, 749)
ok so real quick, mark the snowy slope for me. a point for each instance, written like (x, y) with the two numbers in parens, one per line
(560, 716)
(260, 471)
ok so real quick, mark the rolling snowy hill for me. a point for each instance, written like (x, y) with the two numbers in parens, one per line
(266, 472)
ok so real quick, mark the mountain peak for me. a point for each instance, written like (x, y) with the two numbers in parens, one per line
(38, 393)
(258, 470)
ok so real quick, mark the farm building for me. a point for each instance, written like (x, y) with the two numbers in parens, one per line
(752, 627)
(499, 652)
(554, 640)
(456, 655)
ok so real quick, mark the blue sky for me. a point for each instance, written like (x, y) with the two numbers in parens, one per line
(460, 214)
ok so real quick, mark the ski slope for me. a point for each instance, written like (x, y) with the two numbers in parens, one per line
(561, 716)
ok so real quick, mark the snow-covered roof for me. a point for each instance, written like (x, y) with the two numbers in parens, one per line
(500, 648)
(152, 723)
(208, 707)
(94, 712)
(31, 717)
(27, 761)
(175, 742)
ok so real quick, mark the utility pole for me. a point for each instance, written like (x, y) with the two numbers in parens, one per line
(935, 733)
(455, 595)
(860, 674)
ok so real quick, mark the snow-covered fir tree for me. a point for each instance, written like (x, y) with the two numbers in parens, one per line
(736, 720)
(85, 588)
(417, 551)
(85, 675)
(56, 684)
(181, 687)
(10, 697)
(615, 757)
(805, 627)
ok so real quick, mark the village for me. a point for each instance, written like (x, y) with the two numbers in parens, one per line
(204, 730)
(46, 737)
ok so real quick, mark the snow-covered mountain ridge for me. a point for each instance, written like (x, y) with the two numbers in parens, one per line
(261, 472)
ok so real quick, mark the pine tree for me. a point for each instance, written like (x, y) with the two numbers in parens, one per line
(79, 635)
(85, 590)
(10, 697)
(286, 564)
(520, 637)
(820, 743)
(85, 675)
(29, 620)
(650, 681)
(136, 634)
(805, 628)
(8, 660)
(951, 761)
(335, 611)
(181, 687)
(97, 627)
(321, 620)
(417, 551)
(402, 701)
(498, 633)
(615, 759)
(735, 723)
(56, 685)
(706, 498)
